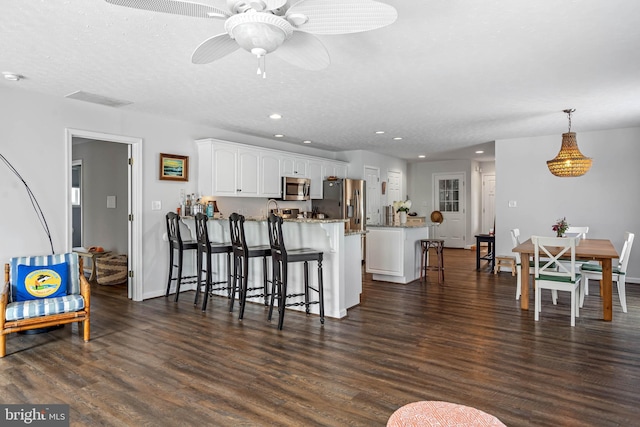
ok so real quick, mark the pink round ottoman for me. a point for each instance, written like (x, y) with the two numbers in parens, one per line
(441, 414)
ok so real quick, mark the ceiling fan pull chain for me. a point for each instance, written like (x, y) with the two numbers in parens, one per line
(264, 67)
(259, 70)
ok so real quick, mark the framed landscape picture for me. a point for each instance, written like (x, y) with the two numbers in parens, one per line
(174, 167)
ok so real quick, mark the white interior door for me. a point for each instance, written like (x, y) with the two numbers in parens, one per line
(449, 198)
(394, 187)
(488, 202)
(372, 177)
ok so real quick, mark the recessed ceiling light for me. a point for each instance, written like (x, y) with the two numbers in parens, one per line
(379, 132)
(279, 135)
(397, 138)
(306, 141)
(479, 152)
(421, 156)
(12, 76)
(275, 116)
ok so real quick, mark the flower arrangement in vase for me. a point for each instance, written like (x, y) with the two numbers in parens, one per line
(402, 208)
(560, 227)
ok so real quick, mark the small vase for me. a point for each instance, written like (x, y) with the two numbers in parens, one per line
(403, 217)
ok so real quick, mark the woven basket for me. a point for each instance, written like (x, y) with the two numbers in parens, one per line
(111, 269)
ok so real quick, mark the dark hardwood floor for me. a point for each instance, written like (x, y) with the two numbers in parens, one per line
(160, 363)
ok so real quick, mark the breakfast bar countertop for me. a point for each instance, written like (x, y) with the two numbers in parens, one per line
(262, 218)
(407, 225)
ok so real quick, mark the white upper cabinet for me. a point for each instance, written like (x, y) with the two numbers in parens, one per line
(337, 169)
(294, 166)
(270, 183)
(247, 174)
(238, 170)
(315, 170)
(223, 170)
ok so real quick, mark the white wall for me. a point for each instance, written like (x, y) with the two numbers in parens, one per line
(358, 159)
(607, 198)
(420, 189)
(32, 138)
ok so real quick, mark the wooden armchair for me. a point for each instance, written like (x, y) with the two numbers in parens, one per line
(16, 316)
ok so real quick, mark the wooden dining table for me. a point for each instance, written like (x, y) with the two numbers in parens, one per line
(601, 250)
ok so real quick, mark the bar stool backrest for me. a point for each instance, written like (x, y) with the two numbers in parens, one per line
(173, 231)
(238, 240)
(278, 249)
(202, 234)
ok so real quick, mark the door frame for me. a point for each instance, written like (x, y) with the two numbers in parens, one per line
(436, 177)
(487, 222)
(135, 288)
(375, 171)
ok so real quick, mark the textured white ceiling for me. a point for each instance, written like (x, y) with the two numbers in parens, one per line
(447, 76)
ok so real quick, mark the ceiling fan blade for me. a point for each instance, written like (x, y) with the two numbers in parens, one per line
(305, 51)
(343, 17)
(214, 48)
(174, 7)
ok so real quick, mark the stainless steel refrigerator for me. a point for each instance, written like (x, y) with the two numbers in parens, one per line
(343, 198)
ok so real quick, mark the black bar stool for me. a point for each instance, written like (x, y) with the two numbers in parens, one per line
(206, 249)
(438, 245)
(281, 257)
(177, 244)
(241, 254)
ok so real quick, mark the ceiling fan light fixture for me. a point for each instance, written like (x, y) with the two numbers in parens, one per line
(297, 19)
(258, 33)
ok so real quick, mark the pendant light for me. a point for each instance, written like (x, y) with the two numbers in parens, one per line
(569, 161)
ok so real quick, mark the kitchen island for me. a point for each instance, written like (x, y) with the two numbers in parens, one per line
(342, 257)
(393, 251)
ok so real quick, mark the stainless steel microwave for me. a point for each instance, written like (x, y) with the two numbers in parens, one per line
(295, 188)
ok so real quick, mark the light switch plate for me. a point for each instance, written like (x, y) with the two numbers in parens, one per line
(156, 205)
(513, 204)
(111, 202)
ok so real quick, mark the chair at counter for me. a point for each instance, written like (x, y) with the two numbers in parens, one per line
(206, 250)
(241, 254)
(281, 257)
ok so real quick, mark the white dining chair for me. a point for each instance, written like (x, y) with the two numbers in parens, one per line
(580, 232)
(558, 278)
(515, 239)
(594, 272)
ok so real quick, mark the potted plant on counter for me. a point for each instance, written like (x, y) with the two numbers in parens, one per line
(402, 208)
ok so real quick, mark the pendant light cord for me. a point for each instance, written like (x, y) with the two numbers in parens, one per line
(34, 202)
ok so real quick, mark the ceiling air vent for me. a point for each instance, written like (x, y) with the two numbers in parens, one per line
(98, 99)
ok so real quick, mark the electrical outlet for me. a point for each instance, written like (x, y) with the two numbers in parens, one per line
(156, 205)
(513, 204)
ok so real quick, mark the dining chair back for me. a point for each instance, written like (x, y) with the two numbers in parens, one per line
(580, 232)
(594, 272)
(549, 273)
(515, 239)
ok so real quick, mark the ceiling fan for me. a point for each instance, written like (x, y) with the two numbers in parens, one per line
(266, 26)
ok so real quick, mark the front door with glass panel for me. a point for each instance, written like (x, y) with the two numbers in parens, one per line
(449, 195)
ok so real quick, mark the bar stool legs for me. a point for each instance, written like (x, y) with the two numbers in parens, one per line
(438, 245)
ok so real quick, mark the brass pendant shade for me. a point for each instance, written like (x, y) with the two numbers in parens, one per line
(570, 161)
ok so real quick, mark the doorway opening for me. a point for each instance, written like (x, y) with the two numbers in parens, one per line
(130, 200)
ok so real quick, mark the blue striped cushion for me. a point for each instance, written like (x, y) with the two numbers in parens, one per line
(43, 307)
(73, 284)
